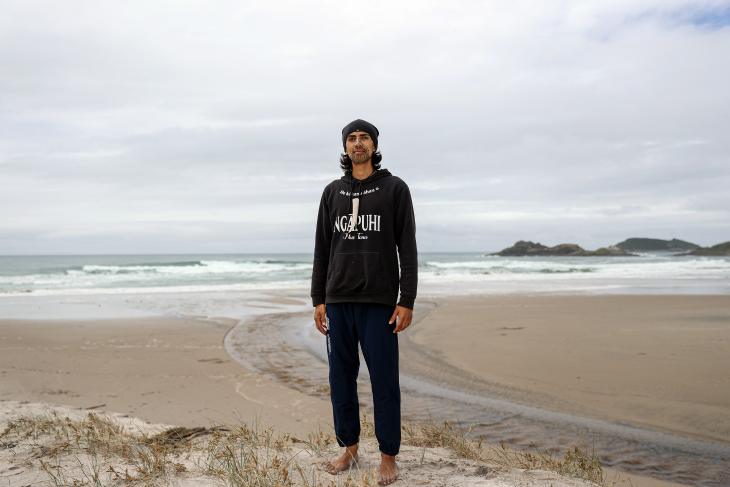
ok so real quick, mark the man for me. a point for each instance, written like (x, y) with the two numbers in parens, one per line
(365, 226)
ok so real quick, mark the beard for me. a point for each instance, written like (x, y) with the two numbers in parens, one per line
(360, 158)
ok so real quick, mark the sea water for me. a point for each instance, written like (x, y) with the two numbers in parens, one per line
(438, 272)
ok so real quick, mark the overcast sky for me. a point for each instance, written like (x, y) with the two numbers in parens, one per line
(213, 126)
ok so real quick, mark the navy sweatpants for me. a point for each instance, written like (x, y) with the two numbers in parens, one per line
(366, 323)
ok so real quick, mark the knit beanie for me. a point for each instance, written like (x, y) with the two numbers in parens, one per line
(360, 126)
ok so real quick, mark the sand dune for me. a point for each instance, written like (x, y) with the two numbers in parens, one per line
(44, 458)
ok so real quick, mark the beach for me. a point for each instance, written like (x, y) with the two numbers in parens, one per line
(615, 355)
(165, 370)
(528, 350)
(659, 362)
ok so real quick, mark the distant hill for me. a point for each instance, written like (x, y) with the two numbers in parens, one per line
(655, 245)
(719, 250)
(523, 249)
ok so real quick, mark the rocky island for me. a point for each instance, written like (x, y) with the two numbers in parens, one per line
(655, 245)
(523, 249)
(718, 250)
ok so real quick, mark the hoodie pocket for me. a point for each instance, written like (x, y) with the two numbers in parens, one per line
(356, 273)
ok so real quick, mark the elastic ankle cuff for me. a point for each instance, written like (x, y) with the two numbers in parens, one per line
(344, 444)
(392, 453)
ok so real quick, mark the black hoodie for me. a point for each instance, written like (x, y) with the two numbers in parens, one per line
(361, 266)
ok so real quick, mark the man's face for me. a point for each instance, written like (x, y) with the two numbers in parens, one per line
(360, 147)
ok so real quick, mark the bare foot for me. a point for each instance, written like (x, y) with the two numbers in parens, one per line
(388, 470)
(344, 462)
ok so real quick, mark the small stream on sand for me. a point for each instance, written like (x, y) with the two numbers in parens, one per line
(287, 348)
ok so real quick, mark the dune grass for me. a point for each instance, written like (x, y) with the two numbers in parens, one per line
(578, 462)
(99, 451)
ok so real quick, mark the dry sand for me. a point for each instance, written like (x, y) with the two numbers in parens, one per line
(22, 460)
(660, 362)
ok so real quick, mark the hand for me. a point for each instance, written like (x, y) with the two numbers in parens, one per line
(320, 318)
(404, 315)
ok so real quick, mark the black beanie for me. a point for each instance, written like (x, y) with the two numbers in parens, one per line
(360, 126)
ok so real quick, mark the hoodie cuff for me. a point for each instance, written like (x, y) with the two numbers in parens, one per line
(406, 302)
(317, 300)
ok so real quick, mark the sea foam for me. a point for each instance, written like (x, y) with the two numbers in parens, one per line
(120, 274)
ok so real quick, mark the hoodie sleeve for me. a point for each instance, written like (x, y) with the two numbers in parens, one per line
(322, 243)
(405, 237)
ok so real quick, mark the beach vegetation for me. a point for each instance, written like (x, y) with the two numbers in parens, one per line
(655, 245)
(524, 248)
(96, 450)
(577, 461)
(719, 250)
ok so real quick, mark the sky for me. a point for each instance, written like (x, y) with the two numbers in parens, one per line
(213, 126)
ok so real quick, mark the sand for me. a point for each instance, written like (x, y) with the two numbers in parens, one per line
(653, 361)
(660, 362)
(22, 460)
(164, 370)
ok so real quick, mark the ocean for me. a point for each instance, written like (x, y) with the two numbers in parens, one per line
(438, 272)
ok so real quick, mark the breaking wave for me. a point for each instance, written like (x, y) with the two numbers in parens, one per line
(111, 274)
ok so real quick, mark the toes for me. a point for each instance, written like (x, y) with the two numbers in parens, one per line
(385, 480)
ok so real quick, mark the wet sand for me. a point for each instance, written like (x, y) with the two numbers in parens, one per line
(659, 362)
(163, 370)
(526, 414)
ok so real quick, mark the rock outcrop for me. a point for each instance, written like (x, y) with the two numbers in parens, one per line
(524, 248)
(718, 250)
(655, 245)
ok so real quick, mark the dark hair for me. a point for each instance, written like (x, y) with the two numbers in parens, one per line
(346, 162)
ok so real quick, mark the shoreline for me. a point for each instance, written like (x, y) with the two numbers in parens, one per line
(500, 285)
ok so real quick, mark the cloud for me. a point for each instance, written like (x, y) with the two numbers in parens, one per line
(213, 126)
